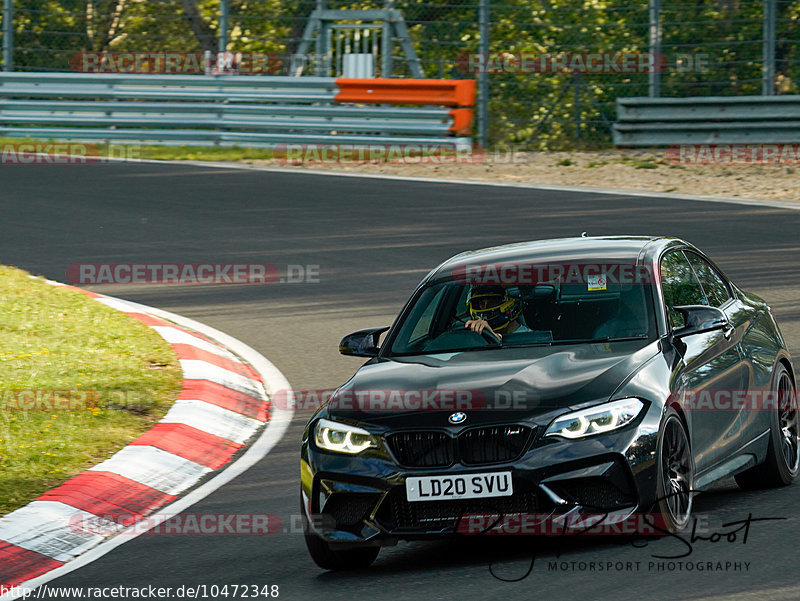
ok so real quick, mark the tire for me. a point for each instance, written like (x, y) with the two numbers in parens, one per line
(782, 464)
(329, 558)
(675, 474)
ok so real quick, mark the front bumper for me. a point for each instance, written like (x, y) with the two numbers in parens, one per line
(357, 500)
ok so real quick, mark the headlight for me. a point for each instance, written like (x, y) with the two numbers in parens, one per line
(342, 438)
(595, 420)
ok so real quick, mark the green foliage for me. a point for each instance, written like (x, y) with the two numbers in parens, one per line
(712, 47)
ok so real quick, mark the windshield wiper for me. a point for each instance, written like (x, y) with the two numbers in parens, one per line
(603, 339)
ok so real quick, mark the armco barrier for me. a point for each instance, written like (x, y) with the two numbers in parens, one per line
(225, 110)
(455, 92)
(647, 122)
(220, 88)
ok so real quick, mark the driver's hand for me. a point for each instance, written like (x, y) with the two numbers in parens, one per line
(479, 325)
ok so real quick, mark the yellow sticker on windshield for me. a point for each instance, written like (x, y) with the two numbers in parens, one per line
(597, 282)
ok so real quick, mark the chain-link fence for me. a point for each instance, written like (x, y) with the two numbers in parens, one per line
(553, 67)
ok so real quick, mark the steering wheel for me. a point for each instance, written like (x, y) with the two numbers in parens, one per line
(488, 334)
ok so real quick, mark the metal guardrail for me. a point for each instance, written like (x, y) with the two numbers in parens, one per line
(446, 92)
(648, 122)
(222, 88)
(256, 111)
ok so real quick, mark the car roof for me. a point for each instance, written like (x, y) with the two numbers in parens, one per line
(609, 248)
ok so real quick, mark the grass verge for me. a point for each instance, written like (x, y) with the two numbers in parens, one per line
(322, 153)
(78, 381)
(161, 153)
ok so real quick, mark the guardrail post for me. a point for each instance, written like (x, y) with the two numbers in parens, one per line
(222, 40)
(322, 43)
(8, 35)
(654, 77)
(483, 76)
(768, 82)
(576, 105)
(386, 50)
(386, 41)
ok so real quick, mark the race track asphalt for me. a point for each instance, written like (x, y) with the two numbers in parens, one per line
(373, 240)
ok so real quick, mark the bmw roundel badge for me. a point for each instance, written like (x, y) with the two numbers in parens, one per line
(457, 418)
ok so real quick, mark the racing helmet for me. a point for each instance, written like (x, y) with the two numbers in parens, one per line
(493, 304)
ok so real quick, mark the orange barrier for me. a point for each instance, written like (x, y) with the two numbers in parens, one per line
(445, 92)
(462, 122)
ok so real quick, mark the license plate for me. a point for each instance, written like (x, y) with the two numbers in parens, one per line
(465, 486)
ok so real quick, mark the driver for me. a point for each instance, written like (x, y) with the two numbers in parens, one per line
(493, 308)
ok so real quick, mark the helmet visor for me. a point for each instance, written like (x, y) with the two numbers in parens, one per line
(480, 303)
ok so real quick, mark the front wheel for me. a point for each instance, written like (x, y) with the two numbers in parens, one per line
(783, 455)
(675, 474)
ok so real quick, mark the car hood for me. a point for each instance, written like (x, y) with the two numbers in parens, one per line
(495, 385)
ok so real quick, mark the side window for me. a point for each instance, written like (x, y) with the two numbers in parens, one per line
(423, 326)
(680, 285)
(714, 286)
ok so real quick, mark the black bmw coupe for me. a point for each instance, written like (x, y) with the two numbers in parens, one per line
(613, 376)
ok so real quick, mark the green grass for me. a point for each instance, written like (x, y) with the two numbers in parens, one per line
(638, 163)
(119, 374)
(197, 153)
(189, 153)
(162, 153)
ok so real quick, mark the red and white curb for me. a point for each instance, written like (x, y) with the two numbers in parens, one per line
(224, 402)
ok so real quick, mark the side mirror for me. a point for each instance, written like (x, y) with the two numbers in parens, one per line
(698, 319)
(363, 343)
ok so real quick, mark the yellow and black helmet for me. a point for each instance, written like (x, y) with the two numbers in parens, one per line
(493, 304)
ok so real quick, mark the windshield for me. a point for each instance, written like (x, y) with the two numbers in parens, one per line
(540, 314)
